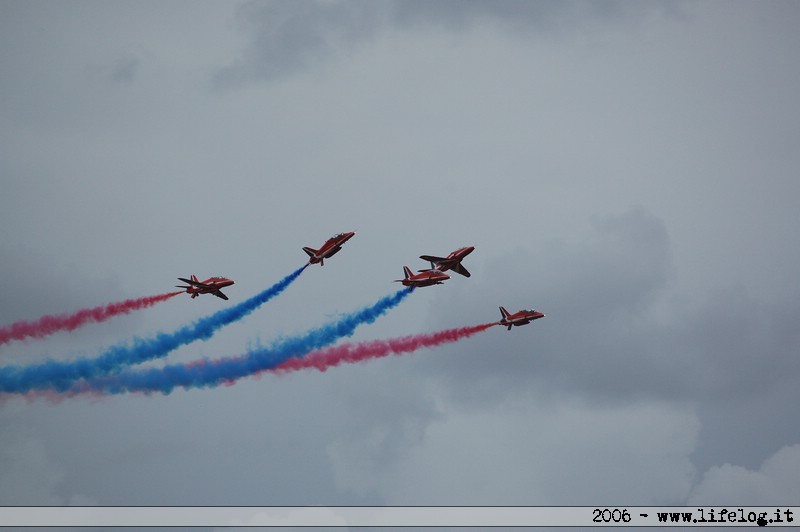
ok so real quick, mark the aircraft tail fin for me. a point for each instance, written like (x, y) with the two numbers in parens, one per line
(406, 274)
(504, 313)
(310, 251)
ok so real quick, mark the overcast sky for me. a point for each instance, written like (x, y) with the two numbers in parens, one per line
(628, 168)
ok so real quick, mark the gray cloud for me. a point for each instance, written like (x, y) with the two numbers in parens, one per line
(516, 454)
(29, 478)
(285, 36)
(775, 482)
(288, 36)
(125, 69)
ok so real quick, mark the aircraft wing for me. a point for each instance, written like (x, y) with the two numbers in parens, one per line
(194, 283)
(431, 258)
(220, 295)
(458, 268)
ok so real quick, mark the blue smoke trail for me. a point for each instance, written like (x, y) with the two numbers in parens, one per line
(212, 374)
(61, 375)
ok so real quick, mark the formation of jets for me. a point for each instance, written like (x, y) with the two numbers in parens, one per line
(427, 277)
(212, 285)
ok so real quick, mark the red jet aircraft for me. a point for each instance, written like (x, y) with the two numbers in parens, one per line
(426, 278)
(328, 249)
(522, 317)
(450, 262)
(211, 285)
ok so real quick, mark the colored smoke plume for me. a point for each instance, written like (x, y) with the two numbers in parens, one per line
(224, 371)
(47, 325)
(352, 353)
(60, 376)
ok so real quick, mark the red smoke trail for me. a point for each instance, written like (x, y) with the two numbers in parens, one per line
(321, 359)
(352, 353)
(47, 325)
